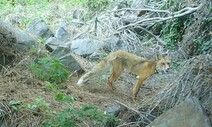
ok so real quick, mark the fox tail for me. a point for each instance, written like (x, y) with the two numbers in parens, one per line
(95, 71)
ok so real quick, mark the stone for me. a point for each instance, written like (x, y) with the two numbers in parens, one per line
(85, 47)
(12, 36)
(113, 111)
(12, 41)
(187, 114)
(39, 28)
(52, 43)
(62, 35)
(64, 54)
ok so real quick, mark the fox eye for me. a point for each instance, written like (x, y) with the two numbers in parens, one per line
(163, 63)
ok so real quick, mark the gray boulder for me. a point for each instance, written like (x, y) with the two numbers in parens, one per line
(114, 43)
(13, 37)
(12, 42)
(96, 56)
(187, 114)
(39, 28)
(62, 34)
(85, 47)
(78, 14)
(113, 111)
(52, 43)
(15, 18)
(78, 18)
(64, 54)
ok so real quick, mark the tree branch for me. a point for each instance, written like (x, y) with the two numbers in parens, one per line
(151, 21)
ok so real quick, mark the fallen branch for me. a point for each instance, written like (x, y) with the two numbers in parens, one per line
(132, 109)
(131, 9)
(151, 21)
(136, 111)
(156, 37)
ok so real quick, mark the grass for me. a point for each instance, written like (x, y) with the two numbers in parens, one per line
(53, 12)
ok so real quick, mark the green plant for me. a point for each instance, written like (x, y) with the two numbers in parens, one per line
(49, 86)
(27, 2)
(92, 5)
(202, 46)
(61, 98)
(39, 103)
(96, 5)
(202, 42)
(72, 117)
(4, 2)
(50, 70)
(173, 5)
(172, 33)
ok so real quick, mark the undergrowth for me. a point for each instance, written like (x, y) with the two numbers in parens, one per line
(48, 69)
(69, 116)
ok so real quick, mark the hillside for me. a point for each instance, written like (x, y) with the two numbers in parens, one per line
(47, 45)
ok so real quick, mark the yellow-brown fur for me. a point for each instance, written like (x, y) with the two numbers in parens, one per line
(120, 60)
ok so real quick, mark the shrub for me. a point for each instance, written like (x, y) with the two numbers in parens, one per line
(49, 69)
(73, 117)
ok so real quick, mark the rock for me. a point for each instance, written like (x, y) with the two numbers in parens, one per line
(39, 28)
(13, 41)
(112, 43)
(78, 14)
(10, 35)
(85, 47)
(187, 114)
(113, 111)
(138, 4)
(15, 18)
(96, 56)
(62, 35)
(63, 54)
(52, 43)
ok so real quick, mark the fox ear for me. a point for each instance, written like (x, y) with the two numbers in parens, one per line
(167, 56)
(158, 56)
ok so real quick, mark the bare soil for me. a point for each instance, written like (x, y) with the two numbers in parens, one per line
(19, 84)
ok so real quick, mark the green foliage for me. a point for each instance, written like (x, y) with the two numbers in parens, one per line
(49, 86)
(173, 5)
(40, 103)
(172, 33)
(97, 5)
(72, 117)
(50, 70)
(202, 46)
(60, 97)
(22, 2)
(92, 5)
(4, 1)
(15, 104)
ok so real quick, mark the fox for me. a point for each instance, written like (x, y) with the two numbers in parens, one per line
(119, 60)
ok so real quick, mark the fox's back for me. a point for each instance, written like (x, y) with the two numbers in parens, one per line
(126, 59)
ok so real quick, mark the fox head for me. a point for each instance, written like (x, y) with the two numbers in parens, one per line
(163, 63)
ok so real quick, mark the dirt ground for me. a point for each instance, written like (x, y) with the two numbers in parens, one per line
(19, 84)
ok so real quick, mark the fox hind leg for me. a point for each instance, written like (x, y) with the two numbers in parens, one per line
(116, 72)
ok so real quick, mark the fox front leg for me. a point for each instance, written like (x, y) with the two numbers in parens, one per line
(139, 83)
(137, 87)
